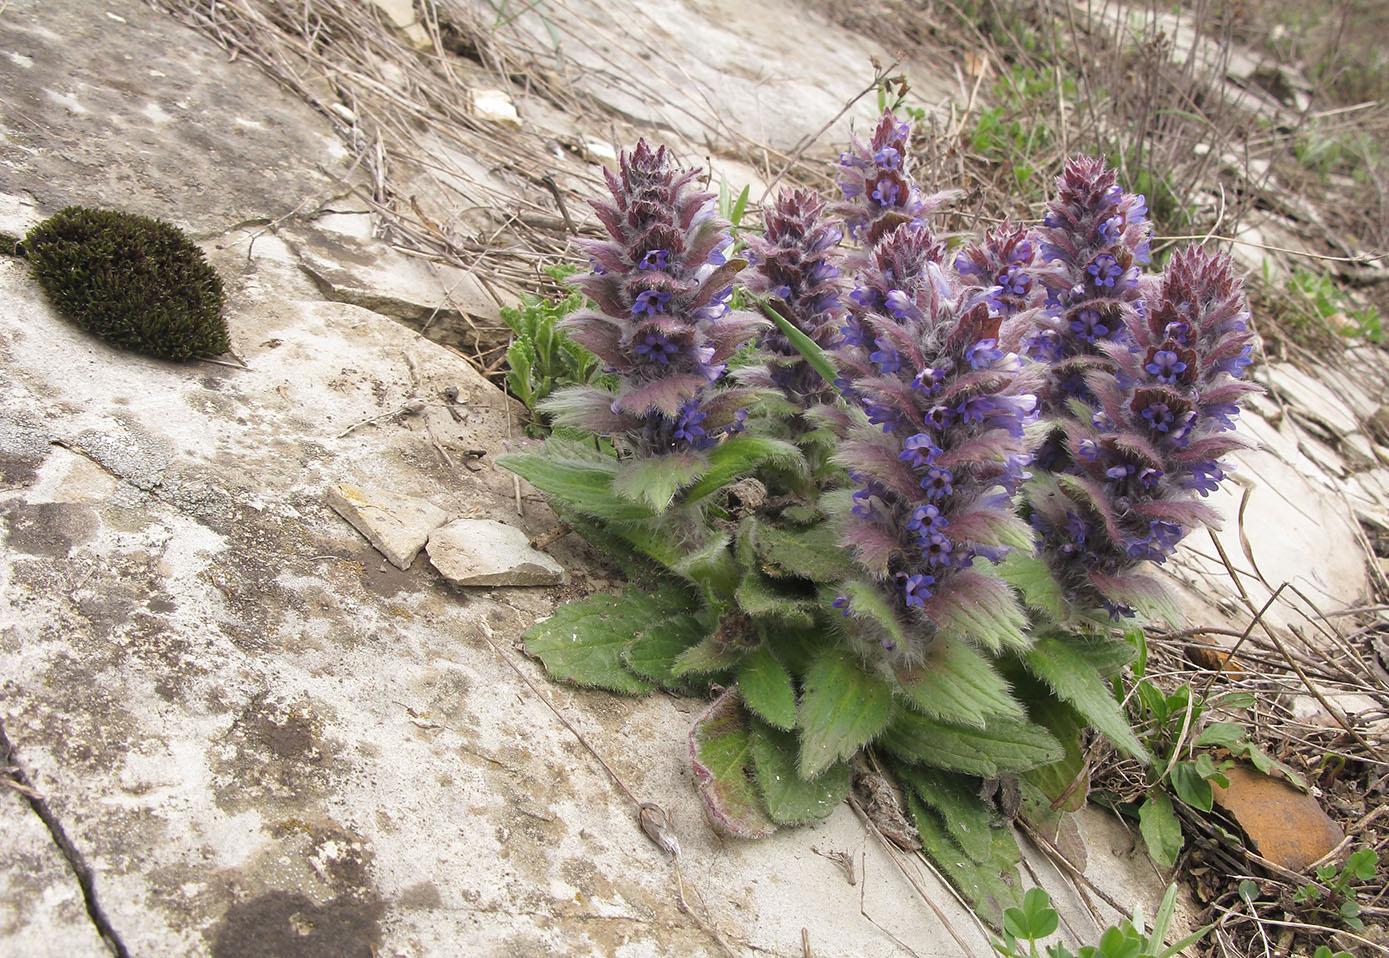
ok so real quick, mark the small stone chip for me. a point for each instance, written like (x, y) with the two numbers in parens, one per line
(484, 552)
(398, 526)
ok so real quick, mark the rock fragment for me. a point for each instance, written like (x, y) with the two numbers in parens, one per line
(1286, 826)
(483, 552)
(398, 526)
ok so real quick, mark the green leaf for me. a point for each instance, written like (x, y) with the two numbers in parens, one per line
(1030, 576)
(956, 684)
(583, 641)
(989, 615)
(965, 816)
(654, 481)
(1076, 682)
(1066, 782)
(710, 566)
(869, 613)
(1106, 656)
(1191, 786)
(842, 708)
(758, 596)
(790, 799)
(721, 759)
(767, 688)
(735, 216)
(710, 655)
(989, 888)
(1035, 920)
(1002, 745)
(739, 457)
(812, 553)
(1161, 831)
(585, 486)
(816, 357)
(652, 655)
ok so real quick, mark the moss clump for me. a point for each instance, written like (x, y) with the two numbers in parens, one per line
(10, 246)
(137, 282)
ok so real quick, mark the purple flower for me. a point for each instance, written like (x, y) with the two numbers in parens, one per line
(1163, 413)
(919, 450)
(655, 259)
(661, 325)
(1166, 366)
(655, 348)
(1089, 325)
(797, 261)
(951, 402)
(1105, 270)
(876, 181)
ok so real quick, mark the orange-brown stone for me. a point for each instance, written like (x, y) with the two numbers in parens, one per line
(1284, 825)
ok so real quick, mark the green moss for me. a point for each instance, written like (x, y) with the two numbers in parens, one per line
(139, 283)
(10, 245)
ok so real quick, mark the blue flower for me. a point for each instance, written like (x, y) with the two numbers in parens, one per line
(656, 259)
(1166, 366)
(651, 302)
(918, 588)
(655, 348)
(1104, 270)
(920, 451)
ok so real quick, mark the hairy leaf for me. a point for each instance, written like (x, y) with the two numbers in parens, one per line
(790, 799)
(842, 708)
(1106, 656)
(956, 798)
(1030, 576)
(1002, 745)
(1065, 783)
(584, 640)
(766, 687)
(710, 655)
(990, 888)
(870, 611)
(655, 481)
(721, 759)
(956, 684)
(811, 553)
(587, 487)
(652, 655)
(981, 608)
(741, 456)
(1074, 680)
(759, 596)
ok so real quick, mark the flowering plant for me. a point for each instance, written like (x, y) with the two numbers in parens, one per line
(910, 521)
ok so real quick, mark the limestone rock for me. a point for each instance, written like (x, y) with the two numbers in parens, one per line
(397, 525)
(443, 303)
(484, 552)
(42, 913)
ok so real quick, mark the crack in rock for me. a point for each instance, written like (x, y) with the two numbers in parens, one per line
(14, 772)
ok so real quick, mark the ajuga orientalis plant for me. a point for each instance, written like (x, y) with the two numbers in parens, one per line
(903, 537)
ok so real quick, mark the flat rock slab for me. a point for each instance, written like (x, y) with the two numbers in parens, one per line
(1284, 825)
(130, 122)
(446, 304)
(42, 913)
(485, 552)
(397, 525)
